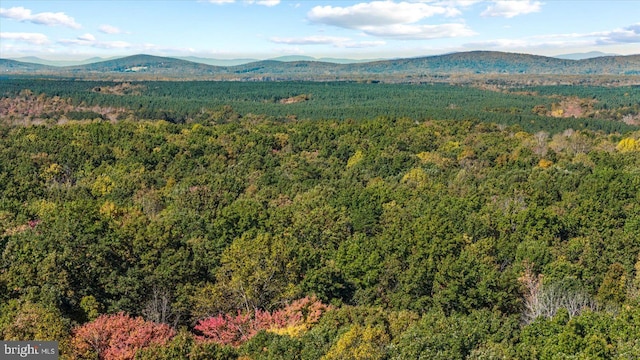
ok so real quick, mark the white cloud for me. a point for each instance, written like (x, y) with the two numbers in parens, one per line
(627, 35)
(377, 13)
(339, 42)
(419, 32)
(91, 41)
(31, 38)
(512, 8)
(109, 29)
(310, 40)
(266, 2)
(361, 44)
(16, 13)
(462, 3)
(393, 20)
(45, 18)
(451, 3)
(258, 2)
(87, 37)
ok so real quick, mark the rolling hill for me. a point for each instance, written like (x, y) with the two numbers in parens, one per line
(476, 62)
(143, 64)
(60, 63)
(582, 56)
(8, 66)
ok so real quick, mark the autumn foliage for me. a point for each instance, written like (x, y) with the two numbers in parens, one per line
(226, 329)
(117, 336)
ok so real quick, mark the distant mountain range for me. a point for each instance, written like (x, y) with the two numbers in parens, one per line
(291, 58)
(583, 56)
(61, 63)
(302, 68)
(201, 60)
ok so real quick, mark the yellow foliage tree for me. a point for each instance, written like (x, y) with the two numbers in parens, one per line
(544, 163)
(52, 172)
(255, 272)
(108, 209)
(450, 146)
(29, 321)
(355, 159)
(627, 145)
(282, 139)
(416, 177)
(103, 185)
(360, 343)
(433, 158)
(43, 207)
(557, 110)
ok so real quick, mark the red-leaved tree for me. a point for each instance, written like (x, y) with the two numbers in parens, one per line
(228, 329)
(117, 337)
(234, 330)
(302, 311)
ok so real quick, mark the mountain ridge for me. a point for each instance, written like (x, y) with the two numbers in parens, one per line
(60, 63)
(584, 56)
(473, 62)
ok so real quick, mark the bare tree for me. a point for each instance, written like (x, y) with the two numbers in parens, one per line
(630, 119)
(533, 289)
(546, 300)
(633, 288)
(541, 138)
(158, 308)
(579, 143)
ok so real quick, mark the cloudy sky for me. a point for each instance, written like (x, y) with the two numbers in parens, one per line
(228, 29)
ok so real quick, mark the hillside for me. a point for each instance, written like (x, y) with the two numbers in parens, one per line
(487, 62)
(60, 63)
(258, 239)
(144, 64)
(318, 220)
(8, 66)
(217, 62)
(469, 63)
(586, 55)
(548, 108)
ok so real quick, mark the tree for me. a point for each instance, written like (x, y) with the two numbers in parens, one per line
(184, 346)
(614, 286)
(235, 329)
(25, 320)
(546, 300)
(256, 272)
(628, 145)
(117, 336)
(360, 343)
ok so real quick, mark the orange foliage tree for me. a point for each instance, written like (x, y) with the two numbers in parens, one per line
(234, 330)
(117, 336)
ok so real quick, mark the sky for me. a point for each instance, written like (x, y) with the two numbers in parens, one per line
(261, 29)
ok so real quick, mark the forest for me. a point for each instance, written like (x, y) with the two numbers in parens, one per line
(453, 65)
(533, 108)
(295, 220)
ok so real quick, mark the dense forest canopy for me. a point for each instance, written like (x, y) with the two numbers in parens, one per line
(548, 108)
(349, 221)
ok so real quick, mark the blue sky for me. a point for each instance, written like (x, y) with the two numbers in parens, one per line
(228, 29)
